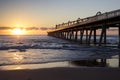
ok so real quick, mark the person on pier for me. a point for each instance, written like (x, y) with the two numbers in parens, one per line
(78, 20)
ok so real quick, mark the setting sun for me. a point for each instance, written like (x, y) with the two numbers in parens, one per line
(18, 31)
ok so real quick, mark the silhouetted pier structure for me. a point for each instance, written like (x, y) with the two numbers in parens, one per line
(87, 27)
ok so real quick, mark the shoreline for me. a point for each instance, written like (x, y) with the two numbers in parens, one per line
(35, 66)
(77, 63)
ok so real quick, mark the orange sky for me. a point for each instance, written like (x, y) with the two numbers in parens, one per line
(27, 32)
(48, 13)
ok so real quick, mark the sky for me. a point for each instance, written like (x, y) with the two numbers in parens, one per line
(48, 13)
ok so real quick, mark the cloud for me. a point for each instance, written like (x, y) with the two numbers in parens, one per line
(28, 28)
(32, 28)
(5, 28)
(39, 28)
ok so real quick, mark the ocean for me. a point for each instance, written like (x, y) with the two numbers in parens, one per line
(39, 49)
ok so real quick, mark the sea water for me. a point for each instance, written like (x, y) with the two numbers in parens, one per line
(39, 49)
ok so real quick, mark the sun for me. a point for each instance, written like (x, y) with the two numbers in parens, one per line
(18, 31)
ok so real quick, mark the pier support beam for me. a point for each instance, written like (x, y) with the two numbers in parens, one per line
(103, 34)
(90, 36)
(70, 35)
(67, 34)
(119, 43)
(86, 36)
(95, 36)
(63, 35)
(81, 36)
(101, 37)
(119, 59)
(119, 36)
(73, 36)
(76, 35)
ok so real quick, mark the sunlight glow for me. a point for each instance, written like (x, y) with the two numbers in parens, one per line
(18, 31)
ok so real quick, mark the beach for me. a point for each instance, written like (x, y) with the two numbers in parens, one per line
(62, 73)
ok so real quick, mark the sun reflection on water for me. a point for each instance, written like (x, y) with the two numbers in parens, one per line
(17, 58)
(18, 68)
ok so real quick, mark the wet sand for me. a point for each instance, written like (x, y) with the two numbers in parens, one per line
(62, 73)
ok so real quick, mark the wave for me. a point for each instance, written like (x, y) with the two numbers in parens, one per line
(44, 49)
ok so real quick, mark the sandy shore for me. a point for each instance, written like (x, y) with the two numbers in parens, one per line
(62, 74)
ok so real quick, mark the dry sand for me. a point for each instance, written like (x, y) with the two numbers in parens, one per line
(62, 74)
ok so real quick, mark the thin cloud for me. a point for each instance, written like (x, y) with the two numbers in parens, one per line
(28, 28)
(5, 28)
(32, 28)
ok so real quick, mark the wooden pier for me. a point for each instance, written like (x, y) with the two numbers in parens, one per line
(87, 28)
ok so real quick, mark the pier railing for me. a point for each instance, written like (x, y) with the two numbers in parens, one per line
(98, 17)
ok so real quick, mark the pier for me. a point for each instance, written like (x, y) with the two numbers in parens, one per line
(87, 28)
(84, 31)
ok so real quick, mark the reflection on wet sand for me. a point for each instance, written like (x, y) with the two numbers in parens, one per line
(89, 63)
(97, 63)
